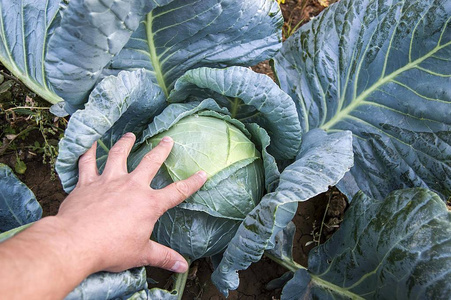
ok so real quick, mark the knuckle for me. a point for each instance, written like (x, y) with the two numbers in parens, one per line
(183, 188)
(117, 150)
(144, 261)
(167, 258)
(86, 159)
(158, 211)
(152, 159)
(198, 180)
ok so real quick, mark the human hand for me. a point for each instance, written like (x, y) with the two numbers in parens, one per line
(110, 217)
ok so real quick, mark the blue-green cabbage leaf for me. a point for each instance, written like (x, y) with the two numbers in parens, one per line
(382, 70)
(398, 247)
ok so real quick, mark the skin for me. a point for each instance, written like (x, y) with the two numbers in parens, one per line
(104, 224)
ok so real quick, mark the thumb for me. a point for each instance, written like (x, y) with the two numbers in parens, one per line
(165, 258)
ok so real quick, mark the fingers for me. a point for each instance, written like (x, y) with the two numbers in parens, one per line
(165, 258)
(87, 166)
(178, 191)
(153, 160)
(117, 157)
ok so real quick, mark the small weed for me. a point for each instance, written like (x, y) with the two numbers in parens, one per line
(315, 233)
(293, 22)
(332, 217)
(27, 128)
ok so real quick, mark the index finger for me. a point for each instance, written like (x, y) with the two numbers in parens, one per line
(177, 192)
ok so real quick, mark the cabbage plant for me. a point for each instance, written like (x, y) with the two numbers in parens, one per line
(236, 150)
(382, 70)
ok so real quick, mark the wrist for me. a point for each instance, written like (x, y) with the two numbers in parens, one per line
(47, 248)
(67, 255)
(69, 246)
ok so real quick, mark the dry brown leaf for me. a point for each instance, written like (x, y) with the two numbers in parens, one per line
(326, 3)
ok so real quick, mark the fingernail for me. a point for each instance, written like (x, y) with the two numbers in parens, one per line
(129, 134)
(166, 139)
(202, 174)
(179, 267)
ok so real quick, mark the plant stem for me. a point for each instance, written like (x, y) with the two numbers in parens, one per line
(27, 107)
(324, 220)
(235, 106)
(6, 145)
(180, 281)
(293, 267)
(289, 264)
(103, 146)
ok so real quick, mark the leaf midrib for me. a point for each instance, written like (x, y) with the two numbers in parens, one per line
(10, 64)
(335, 288)
(383, 80)
(153, 54)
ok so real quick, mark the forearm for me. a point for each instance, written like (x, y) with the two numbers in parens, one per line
(42, 263)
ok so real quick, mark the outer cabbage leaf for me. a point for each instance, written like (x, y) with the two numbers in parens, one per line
(251, 98)
(105, 285)
(381, 69)
(283, 245)
(322, 161)
(25, 27)
(260, 137)
(90, 34)
(397, 248)
(117, 105)
(141, 295)
(282, 253)
(156, 293)
(188, 34)
(18, 205)
(194, 234)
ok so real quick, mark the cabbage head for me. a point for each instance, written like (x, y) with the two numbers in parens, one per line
(223, 148)
(232, 163)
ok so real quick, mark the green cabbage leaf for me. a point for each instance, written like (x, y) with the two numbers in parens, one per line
(249, 98)
(129, 101)
(396, 248)
(18, 205)
(382, 70)
(321, 162)
(185, 35)
(62, 49)
(129, 284)
(25, 27)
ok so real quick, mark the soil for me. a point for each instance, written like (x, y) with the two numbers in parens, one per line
(314, 224)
